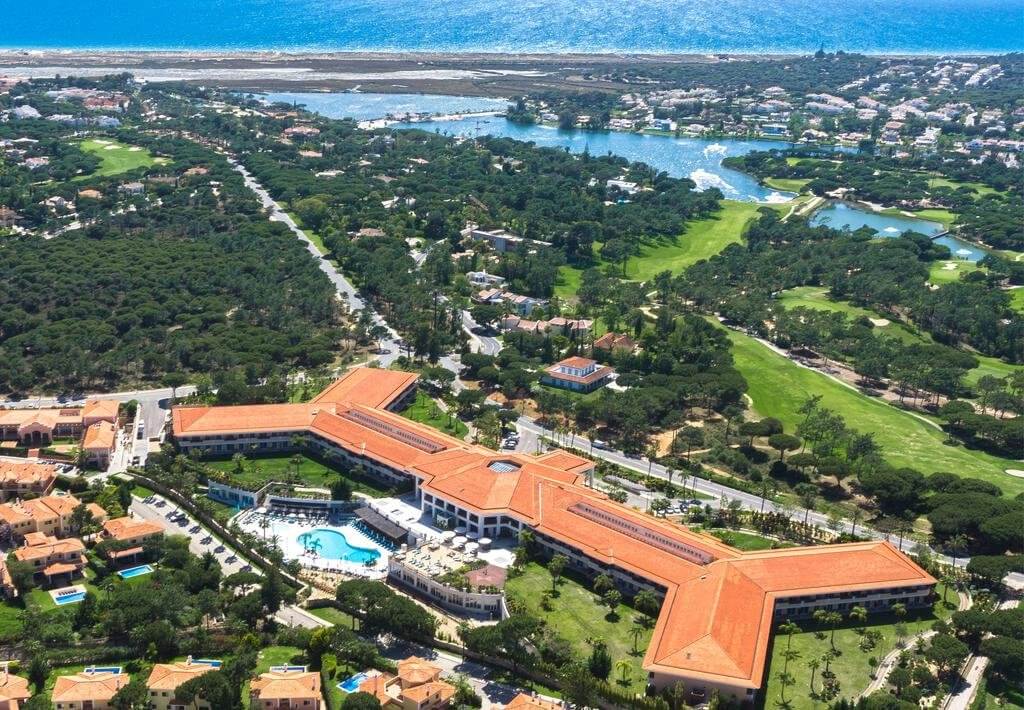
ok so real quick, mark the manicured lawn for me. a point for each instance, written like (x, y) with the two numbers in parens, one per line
(279, 656)
(425, 411)
(979, 188)
(11, 617)
(944, 217)
(851, 668)
(117, 157)
(577, 615)
(51, 680)
(335, 616)
(939, 274)
(702, 240)
(786, 184)
(816, 297)
(40, 599)
(746, 541)
(279, 468)
(990, 366)
(142, 491)
(778, 387)
(1017, 299)
(317, 240)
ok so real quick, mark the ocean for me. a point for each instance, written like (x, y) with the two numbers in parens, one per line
(660, 26)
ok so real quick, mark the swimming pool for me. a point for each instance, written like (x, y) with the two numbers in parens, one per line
(332, 544)
(69, 598)
(351, 685)
(135, 571)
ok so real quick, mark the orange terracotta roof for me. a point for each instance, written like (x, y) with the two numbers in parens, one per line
(415, 670)
(377, 686)
(101, 436)
(243, 418)
(371, 387)
(168, 676)
(13, 515)
(49, 418)
(49, 546)
(523, 701)
(437, 691)
(576, 361)
(59, 568)
(98, 513)
(13, 687)
(716, 619)
(286, 685)
(101, 408)
(51, 506)
(85, 686)
(13, 473)
(128, 528)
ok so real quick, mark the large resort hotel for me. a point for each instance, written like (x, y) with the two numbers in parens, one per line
(720, 604)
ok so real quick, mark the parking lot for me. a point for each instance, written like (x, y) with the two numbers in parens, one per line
(158, 510)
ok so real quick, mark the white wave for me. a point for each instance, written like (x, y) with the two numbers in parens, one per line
(774, 198)
(706, 180)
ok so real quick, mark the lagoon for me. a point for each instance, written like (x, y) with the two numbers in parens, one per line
(842, 215)
(363, 107)
(700, 159)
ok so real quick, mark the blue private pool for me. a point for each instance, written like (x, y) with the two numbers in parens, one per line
(135, 571)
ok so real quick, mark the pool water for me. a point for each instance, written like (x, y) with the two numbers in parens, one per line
(72, 598)
(135, 571)
(351, 685)
(332, 545)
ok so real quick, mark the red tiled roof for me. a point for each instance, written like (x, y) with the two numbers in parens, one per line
(716, 619)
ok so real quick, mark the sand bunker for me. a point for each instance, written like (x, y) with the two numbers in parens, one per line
(1015, 472)
(879, 322)
(134, 149)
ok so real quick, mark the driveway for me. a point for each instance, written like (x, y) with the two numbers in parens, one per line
(229, 561)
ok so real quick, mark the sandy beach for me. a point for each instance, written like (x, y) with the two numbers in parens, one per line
(474, 74)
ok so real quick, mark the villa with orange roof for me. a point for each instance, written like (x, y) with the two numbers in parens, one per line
(286, 687)
(720, 605)
(18, 477)
(131, 536)
(50, 515)
(165, 678)
(39, 427)
(92, 689)
(524, 701)
(55, 561)
(577, 374)
(13, 690)
(418, 686)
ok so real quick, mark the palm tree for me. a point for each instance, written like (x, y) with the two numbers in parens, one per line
(789, 628)
(264, 523)
(957, 544)
(624, 668)
(785, 680)
(814, 664)
(855, 517)
(858, 615)
(637, 633)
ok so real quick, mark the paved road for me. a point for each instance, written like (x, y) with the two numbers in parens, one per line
(229, 561)
(748, 500)
(484, 344)
(389, 346)
(492, 693)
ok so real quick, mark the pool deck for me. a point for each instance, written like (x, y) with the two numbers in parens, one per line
(288, 534)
